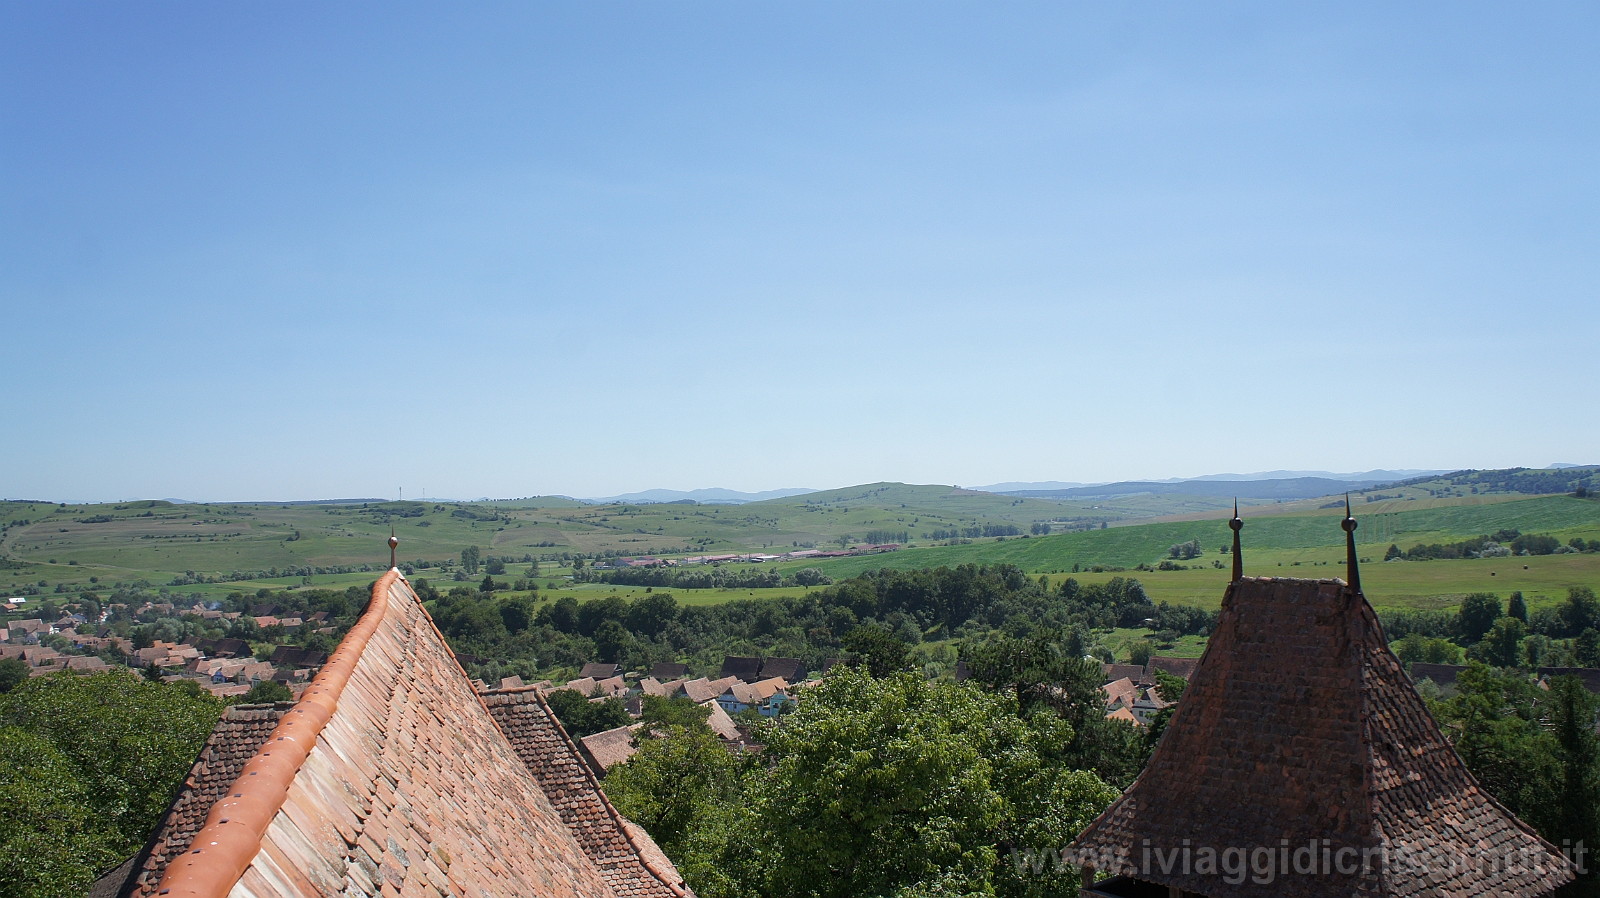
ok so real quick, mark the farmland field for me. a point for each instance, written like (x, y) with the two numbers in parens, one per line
(212, 549)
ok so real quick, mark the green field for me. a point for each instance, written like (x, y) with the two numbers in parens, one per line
(289, 545)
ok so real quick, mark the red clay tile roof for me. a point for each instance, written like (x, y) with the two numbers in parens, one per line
(600, 670)
(629, 861)
(745, 668)
(1132, 672)
(389, 777)
(1178, 667)
(1440, 674)
(664, 671)
(1300, 724)
(610, 748)
(1588, 675)
(237, 737)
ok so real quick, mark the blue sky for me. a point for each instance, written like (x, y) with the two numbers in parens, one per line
(289, 250)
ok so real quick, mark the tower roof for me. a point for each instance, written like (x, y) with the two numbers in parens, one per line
(389, 776)
(1299, 724)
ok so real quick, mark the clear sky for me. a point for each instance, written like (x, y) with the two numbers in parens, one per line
(295, 250)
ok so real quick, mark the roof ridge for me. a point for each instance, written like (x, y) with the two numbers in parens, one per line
(237, 823)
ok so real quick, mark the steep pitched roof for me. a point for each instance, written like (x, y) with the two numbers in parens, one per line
(744, 668)
(667, 670)
(389, 776)
(1440, 674)
(790, 669)
(1178, 667)
(611, 747)
(703, 690)
(627, 858)
(1131, 672)
(600, 670)
(1120, 692)
(237, 737)
(1300, 724)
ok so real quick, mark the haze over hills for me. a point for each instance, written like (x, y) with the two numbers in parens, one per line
(1378, 475)
(709, 496)
(720, 496)
(1284, 488)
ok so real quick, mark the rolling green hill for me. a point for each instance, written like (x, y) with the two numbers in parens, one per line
(183, 545)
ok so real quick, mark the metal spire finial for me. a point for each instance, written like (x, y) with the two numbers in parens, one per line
(1238, 560)
(1353, 574)
(394, 541)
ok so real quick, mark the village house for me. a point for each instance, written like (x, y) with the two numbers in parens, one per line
(766, 697)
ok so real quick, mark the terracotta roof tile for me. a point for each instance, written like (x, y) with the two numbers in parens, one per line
(631, 865)
(664, 671)
(1178, 667)
(390, 778)
(1299, 723)
(610, 748)
(236, 738)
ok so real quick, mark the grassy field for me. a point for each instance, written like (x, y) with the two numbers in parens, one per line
(155, 542)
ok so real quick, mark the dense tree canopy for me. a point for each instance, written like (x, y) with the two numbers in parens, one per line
(872, 786)
(88, 768)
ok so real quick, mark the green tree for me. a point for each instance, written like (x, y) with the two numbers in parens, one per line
(13, 673)
(612, 641)
(130, 740)
(1497, 716)
(581, 717)
(495, 566)
(1414, 647)
(1040, 677)
(659, 712)
(1517, 607)
(51, 843)
(879, 785)
(266, 692)
(652, 614)
(562, 614)
(1581, 611)
(469, 560)
(517, 614)
(677, 778)
(1573, 717)
(1139, 651)
(1586, 648)
(878, 649)
(1477, 614)
(1502, 645)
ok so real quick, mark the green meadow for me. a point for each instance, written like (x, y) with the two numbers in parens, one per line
(72, 547)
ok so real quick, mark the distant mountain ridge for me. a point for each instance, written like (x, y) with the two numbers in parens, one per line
(711, 496)
(1282, 488)
(1379, 476)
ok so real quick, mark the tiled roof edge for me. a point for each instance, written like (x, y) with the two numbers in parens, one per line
(594, 783)
(232, 835)
(190, 782)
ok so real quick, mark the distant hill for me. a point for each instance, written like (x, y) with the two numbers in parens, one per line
(712, 496)
(1040, 488)
(1286, 488)
(1377, 476)
(1036, 485)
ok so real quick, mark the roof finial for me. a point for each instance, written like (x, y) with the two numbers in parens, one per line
(1353, 575)
(1236, 525)
(394, 541)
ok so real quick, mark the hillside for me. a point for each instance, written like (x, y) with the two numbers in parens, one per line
(207, 547)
